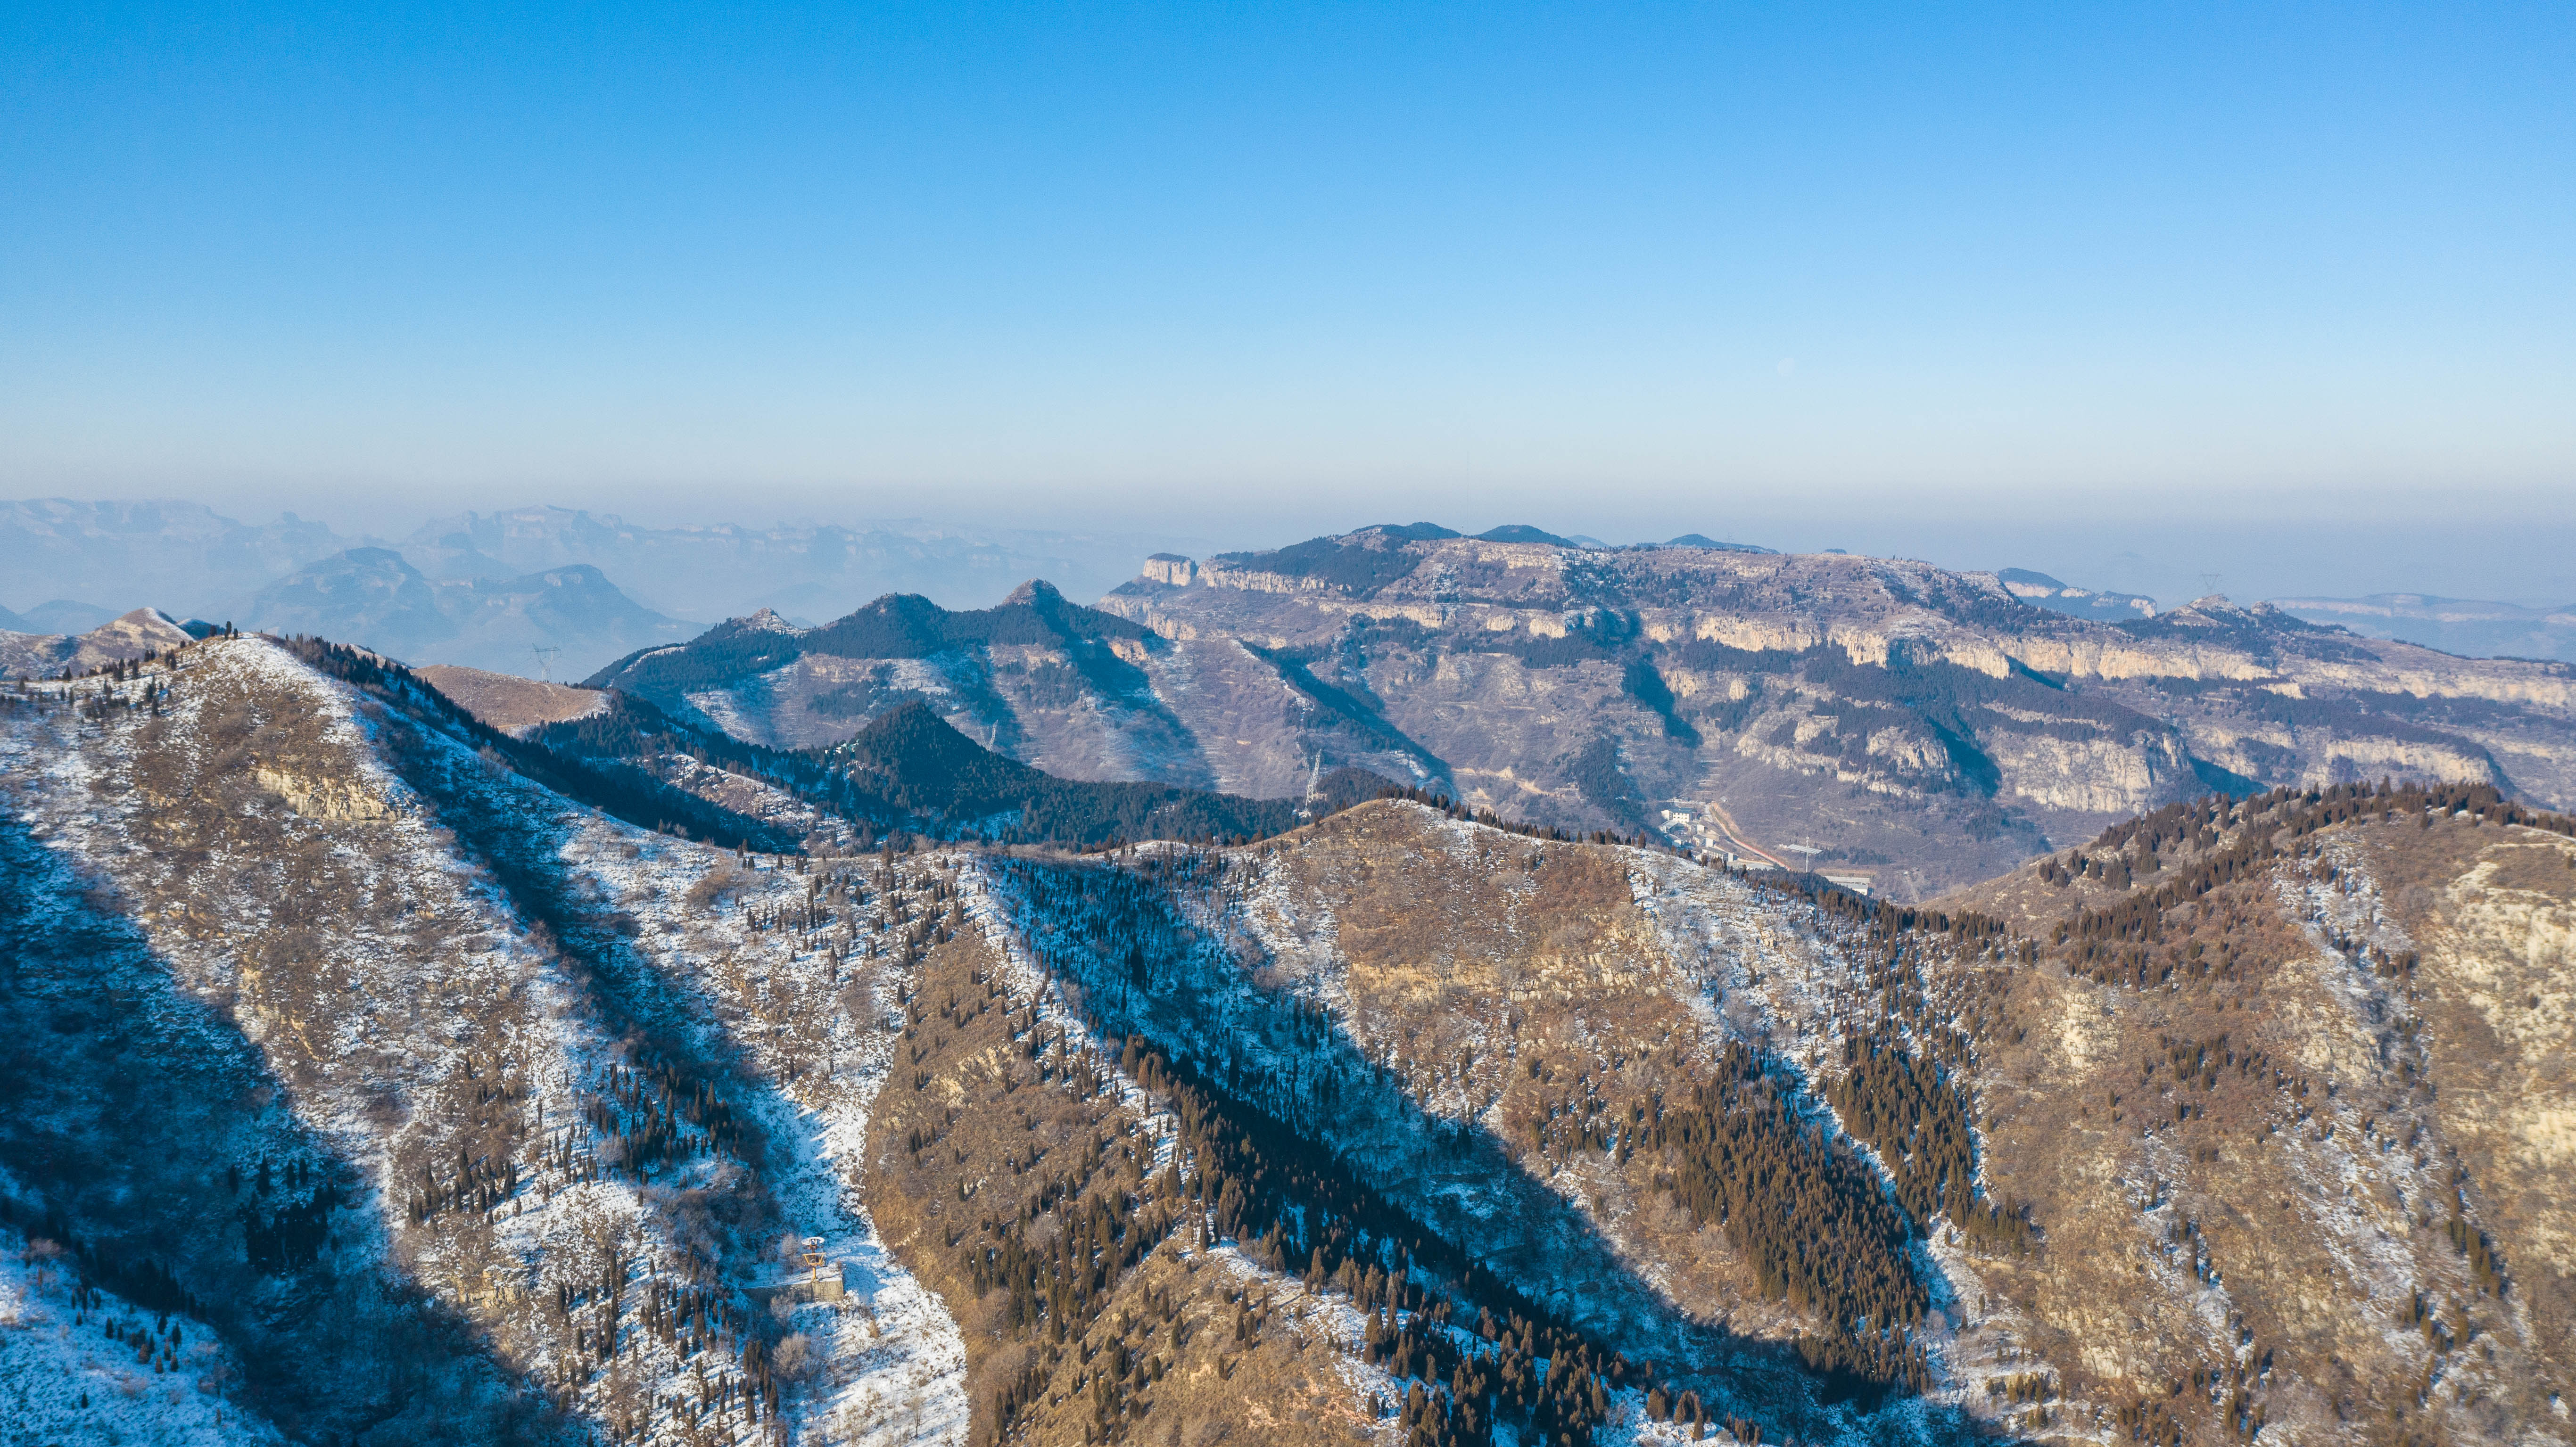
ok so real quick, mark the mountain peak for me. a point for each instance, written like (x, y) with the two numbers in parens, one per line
(1523, 533)
(129, 636)
(1409, 532)
(376, 598)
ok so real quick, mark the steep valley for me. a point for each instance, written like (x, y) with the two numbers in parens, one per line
(433, 1101)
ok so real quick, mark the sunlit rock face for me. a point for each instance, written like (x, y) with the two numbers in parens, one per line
(1881, 719)
(1921, 727)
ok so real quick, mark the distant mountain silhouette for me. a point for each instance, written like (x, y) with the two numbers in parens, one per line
(374, 597)
(2464, 626)
(1703, 540)
(1522, 533)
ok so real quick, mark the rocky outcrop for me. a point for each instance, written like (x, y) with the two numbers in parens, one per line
(1904, 720)
(333, 800)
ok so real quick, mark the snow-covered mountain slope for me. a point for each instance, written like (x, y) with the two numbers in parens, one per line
(444, 1107)
(393, 1046)
(2228, 1199)
(1041, 679)
(2296, 1072)
(1879, 719)
(82, 1364)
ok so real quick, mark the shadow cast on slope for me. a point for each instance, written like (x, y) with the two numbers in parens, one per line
(670, 1057)
(1338, 710)
(1449, 1191)
(146, 1134)
(519, 839)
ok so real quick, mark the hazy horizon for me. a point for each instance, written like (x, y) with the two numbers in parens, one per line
(2171, 561)
(2280, 296)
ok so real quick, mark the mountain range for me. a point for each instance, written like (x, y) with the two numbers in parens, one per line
(1889, 722)
(202, 563)
(381, 1075)
(189, 558)
(566, 619)
(198, 561)
(2454, 625)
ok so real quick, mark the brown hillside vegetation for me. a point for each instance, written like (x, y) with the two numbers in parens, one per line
(1011, 1166)
(2245, 1135)
(2289, 1086)
(509, 703)
(1491, 1032)
(454, 1108)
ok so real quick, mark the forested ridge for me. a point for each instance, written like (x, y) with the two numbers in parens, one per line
(908, 771)
(898, 625)
(1466, 1349)
(1409, 1121)
(1744, 1151)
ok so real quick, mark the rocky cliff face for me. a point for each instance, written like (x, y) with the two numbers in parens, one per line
(1867, 716)
(1880, 720)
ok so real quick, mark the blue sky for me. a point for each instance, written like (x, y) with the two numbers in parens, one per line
(1833, 276)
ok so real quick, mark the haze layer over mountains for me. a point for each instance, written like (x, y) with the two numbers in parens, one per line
(488, 590)
(483, 590)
